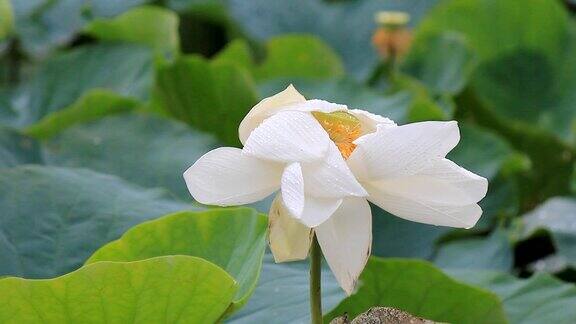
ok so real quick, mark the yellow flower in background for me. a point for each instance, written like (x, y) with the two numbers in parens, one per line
(326, 162)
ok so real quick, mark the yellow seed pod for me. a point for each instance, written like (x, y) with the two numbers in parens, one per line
(342, 128)
(392, 18)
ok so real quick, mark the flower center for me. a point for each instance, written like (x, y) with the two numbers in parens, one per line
(342, 128)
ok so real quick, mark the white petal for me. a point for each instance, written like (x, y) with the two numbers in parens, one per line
(288, 136)
(266, 108)
(292, 187)
(403, 150)
(443, 183)
(318, 210)
(226, 177)
(346, 239)
(469, 187)
(289, 239)
(316, 105)
(307, 209)
(331, 177)
(371, 121)
(413, 209)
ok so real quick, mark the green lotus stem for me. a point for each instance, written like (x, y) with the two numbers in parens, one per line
(315, 283)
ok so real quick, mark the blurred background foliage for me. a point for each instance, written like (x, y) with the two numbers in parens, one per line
(137, 90)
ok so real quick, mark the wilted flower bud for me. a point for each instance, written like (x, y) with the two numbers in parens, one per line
(392, 39)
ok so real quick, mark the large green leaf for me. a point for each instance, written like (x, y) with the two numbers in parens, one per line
(443, 62)
(396, 237)
(298, 56)
(16, 149)
(527, 53)
(347, 26)
(529, 87)
(282, 294)
(146, 150)
(211, 96)
(170, 289)
(500, 203)
(540, 299)
(557, 216)
(94, 104)
(233, 238)
(289, 56)
(524, 86)
(548, 163)
(237, 51)
(8, 113)
(420, 289)
(423, 106)
(122, 68)
(46, 24)
(53, 219)
(6, 18)
(208, 7)
(480, 151)
(148, 25)
(493, 253)
(496, 27)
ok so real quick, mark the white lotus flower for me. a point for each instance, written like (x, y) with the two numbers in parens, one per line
(327, 162)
